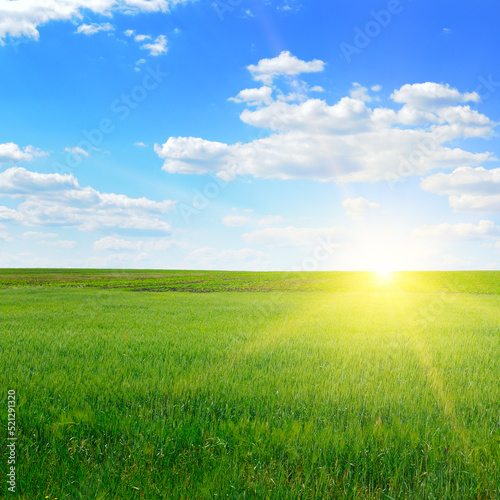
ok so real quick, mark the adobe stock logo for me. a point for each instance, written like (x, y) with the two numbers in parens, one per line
(363, 37)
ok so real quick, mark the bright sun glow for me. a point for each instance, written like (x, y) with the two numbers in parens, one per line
(382, 252)
(384, 273)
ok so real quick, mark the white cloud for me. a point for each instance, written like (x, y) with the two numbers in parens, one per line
(12, 153)
(77, 151)
(254, 97)
(60, 243)
(357, 207)
(346, 115)
(93, 28)
(289, 7)
(430, 95)
(457, 232)
(244, 258)
(271, 220)
(58, 200)
(38, 234)
(157, 47)
(140, 144)
(190, 155)
(23, 17)
(293, 236)
(475, 203)
(9, 214)
(17, 181)
(136, 6)
(464, 180)
(359, 92)
(285, 64)
(234, 220)
(3, 234)
(139, 63)
(153, 245)
(469, 189)
(346, 142)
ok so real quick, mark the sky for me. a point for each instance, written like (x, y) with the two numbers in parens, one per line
(250, 134)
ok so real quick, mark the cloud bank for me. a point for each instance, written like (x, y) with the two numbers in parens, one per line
(22, 18)
(58, 200)
(348, 141)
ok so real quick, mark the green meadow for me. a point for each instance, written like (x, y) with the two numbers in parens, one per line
(219, 385)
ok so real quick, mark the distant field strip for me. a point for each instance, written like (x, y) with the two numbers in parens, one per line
(235, 281)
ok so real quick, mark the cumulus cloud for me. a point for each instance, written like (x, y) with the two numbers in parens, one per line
(285, 64)
(4, 236)
(18, 181)
(153, 245)
(39, 234)
(457, 232)
(271, 220)
(475, 203)
(361, 93)
(156, 47)
(191, 155)
(357, 207)
(294, 236)
(289, 6)
(347, 141)
(234, 220)
(22, 17)
(58, 200)
(464, 180)
(469, 189)
(314, 114)
(93, 28)
(244, 258)
(12, 153)
(431, 96)
(59, 243)
(77, 151)
(139, 63)
(254, 97)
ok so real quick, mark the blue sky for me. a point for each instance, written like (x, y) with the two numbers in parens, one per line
(257, 135)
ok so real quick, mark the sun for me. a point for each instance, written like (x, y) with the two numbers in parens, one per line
(383, 252)
(384, 273)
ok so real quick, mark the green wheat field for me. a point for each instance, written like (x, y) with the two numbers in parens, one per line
(232, 385)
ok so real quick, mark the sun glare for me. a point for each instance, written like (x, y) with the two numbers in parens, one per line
(384, 273)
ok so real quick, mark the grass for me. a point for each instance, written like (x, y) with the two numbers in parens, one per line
(230, 281)
(308, 385)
